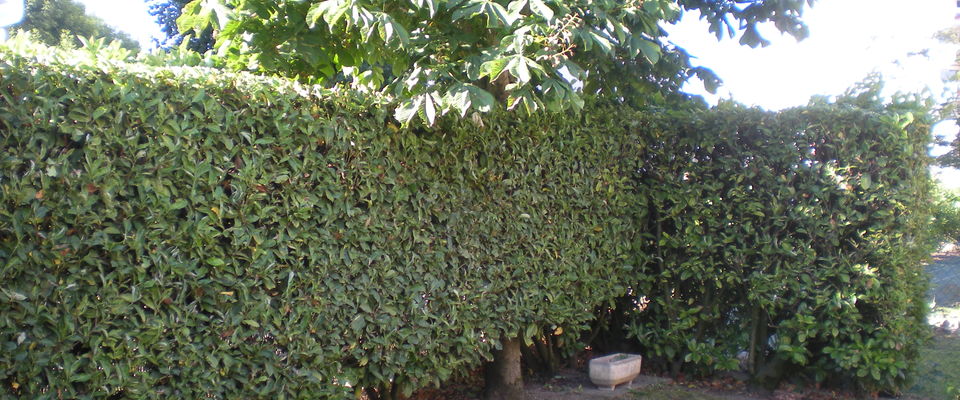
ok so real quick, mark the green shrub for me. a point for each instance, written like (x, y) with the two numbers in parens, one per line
(946, 216)
(192, 233)
(797, 237)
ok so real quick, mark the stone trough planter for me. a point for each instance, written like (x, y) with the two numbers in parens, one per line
(609, 371)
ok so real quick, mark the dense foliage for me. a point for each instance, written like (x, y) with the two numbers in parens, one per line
(192, 234)
(439, 56)
(176, 232)
(62, 21)
(946, 216)
(796, 237)
(166, 13)
(951, 108)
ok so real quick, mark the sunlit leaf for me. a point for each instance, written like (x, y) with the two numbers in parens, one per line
(542, 9)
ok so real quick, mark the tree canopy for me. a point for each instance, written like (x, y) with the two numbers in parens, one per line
(53, 21)
(439, 56)
(166, 13)
(951, 108)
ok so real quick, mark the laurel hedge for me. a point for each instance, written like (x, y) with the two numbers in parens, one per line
(194, 233)
(795, 240)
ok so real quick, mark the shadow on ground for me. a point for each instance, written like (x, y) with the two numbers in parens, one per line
(938, 375)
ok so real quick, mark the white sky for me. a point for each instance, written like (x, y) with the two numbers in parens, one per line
(130, 16)
(848, 40)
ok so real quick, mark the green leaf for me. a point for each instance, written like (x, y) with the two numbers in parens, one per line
(358, 323)
(515, 7)
(332, 12)
(389, 28)
(221, 12)
(605, 45)
(258, 8)
(190, 18)
(429, 109)
(531, 333)
(216, 262)
(408, 110)
(540, 8)
(430, 5)
(199, 14)
(493, 68)
(99, 112)
(366, 307)
(463, 97)
(480, 99)
(651, 51)
(467, 10)
(520, 66)
(517, 66)
(458, 98)
(497, 16)
(12, 295)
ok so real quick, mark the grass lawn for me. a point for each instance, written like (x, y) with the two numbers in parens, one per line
(938, 376)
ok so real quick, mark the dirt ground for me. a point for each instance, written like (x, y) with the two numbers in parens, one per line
(575, 385)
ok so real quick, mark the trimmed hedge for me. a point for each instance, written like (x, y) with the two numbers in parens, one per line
(797, 237)
(193, 233)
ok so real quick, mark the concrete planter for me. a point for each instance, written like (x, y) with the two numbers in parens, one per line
(609, 371)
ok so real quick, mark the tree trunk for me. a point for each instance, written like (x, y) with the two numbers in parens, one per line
(504, 378)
